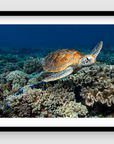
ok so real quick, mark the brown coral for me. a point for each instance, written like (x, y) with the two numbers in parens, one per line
(24, 110)
(3, 88)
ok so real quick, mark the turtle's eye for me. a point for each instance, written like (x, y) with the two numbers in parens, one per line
(88, 58)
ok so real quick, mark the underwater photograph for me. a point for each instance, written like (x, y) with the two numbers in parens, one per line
(56, 71)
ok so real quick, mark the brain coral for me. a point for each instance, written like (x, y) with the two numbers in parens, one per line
(17, 79)
(71, 110)
(31, 65)
(42, 103)
(96, 84)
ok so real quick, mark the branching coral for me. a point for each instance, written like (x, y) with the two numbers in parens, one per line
(96, 84)
(17, 79)
(71, 110)
(43, 103)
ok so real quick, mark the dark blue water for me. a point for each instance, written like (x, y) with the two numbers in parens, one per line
(66, 36)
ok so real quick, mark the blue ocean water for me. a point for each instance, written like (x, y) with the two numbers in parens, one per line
(66, 36)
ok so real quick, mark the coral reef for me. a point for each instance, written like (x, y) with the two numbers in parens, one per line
(12, 58)
(20, 64)
(96, 84)
(24, 110)
(2, 78)
(17, 79)
(71, 110)
(2, 107)
(42, 103)
(31, 65)
(9, 67)
(108, 58)
(4, 87)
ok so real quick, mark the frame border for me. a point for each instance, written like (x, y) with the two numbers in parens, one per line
(56, 13)
(56, 129)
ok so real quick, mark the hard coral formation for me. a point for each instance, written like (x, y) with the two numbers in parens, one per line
(31, 65)
(71, 110)
(17, 79)
(2, 78)
(42, 103)
(3, 88)
(2, 107)
(24, 110)
(64, 83)
(96, 84)
(107, 58)
(8, 67)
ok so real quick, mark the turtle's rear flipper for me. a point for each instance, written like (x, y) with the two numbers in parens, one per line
(59, 75)
(32, 86)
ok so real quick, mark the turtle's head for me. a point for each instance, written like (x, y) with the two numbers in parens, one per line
(87, 60)
(90, 59)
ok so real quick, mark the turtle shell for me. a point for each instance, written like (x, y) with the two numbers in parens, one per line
(60, 59)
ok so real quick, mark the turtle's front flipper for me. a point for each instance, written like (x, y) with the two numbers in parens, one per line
(97, 49)
(59, 75)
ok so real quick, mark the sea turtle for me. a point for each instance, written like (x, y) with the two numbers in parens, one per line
(66, 61)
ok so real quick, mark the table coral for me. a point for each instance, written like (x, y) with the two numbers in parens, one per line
(96, 84)
(17, 79)
(42, 103)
